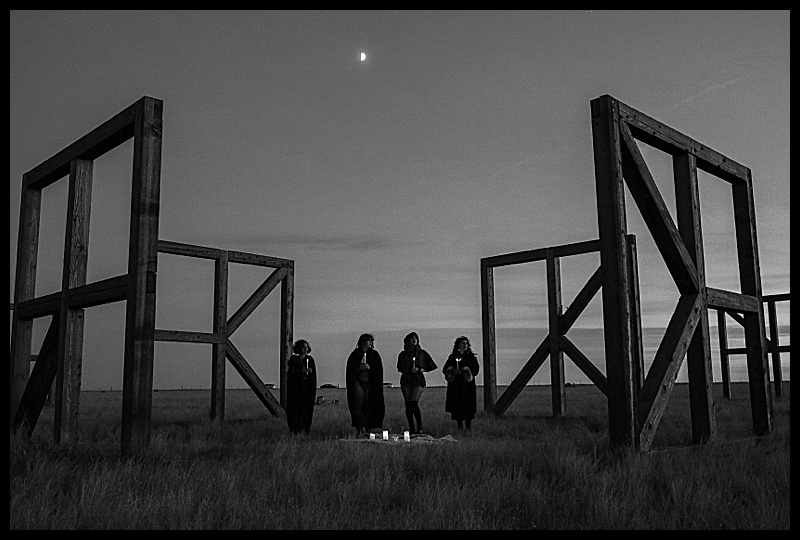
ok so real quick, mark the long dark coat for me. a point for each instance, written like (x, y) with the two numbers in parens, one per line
(461, 401)
(376, 407)
(301, 393)
(421, 359)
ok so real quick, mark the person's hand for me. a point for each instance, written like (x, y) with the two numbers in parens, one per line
(365, 367)
(306, 371)
(450, 374)
(414, 370)
(466, 373)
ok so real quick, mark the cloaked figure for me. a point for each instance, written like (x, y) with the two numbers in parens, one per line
(460, 370)
(412, 362)
(301, 388)
(364, 379)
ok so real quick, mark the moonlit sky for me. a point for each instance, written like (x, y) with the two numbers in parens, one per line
(463, 135)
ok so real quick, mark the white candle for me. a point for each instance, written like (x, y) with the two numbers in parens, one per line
(306, 362)
(385, 435)
(413, 362)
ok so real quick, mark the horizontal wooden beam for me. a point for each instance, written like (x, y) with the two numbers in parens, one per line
(259, 260)
(540, 254)
(188, 250)
(189, 337)
(92, 294)
(659, 135)
(94, 144)
(781, 297)
(728, 300)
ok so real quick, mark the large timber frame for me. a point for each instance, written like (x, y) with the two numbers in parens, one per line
(618, 162)
(60, 355)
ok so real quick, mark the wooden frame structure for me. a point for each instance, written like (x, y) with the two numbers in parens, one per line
(774, 348)
(220, 338)
(618, 162)
(61, 350)
(556, 343)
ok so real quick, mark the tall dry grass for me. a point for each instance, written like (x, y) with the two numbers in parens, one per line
(520, 471)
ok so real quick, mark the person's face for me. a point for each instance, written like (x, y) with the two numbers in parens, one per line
(368, 344)
(413, 341)
(303, 349)
(462, 347)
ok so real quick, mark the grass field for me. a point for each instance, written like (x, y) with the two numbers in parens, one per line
(520, 471)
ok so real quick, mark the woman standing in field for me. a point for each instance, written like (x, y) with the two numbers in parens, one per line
(460, 370)
(412, 361)
(301, 388)
(364, 379)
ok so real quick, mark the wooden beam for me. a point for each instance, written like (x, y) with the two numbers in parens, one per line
(40, 383)
(653, 397)
(667, 139)
(585, 365)
(92, 294)
(188, 250)
(777, 379)
(183, 336)
(286, 330)
(255, 299)
(218, 350)
(137, 384)
(637, 339)
(657, 217)
(782, 297)
(97, 142)
(489, 339)
(698, 356)
(580, 302)
(24, 289)
(534, 255)
(554, 311)
(731, 301)
(525, 374)
(609, 185)
(259, 260)
(70, 344)
(253, 381)
(723, 354)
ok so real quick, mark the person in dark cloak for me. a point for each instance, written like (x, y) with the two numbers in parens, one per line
(301, 388)
(412, 362)
(460, 370)
(364, 380)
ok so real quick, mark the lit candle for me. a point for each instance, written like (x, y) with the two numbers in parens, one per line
(306, 362)
(413, 362)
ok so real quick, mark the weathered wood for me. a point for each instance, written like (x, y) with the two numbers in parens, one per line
(658, 384)
(259, 260)
(781, 297)
(585, 365)
(97, 142)
(24, 289)
(669, 140)
(525, 374)
(533, 255)
(142, 267)
(727, 300)
(744, 219)
(554, 311)
(253, 381)
(723, 354)
(218, 350)
(183, 336)
(777, 379)
(188, 250)
(637, 339)
(255, 299)
(286, 330)
(40, 384)
(70, 343)
(489, 339)
(698, 356)
(581, 300)
(657, 217)
(92, 294)
(612, 226)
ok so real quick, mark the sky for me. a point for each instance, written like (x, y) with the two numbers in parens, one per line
(462, 135)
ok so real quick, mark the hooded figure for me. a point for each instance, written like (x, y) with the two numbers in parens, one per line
(301, 384)
(364, 379)
(460, 370)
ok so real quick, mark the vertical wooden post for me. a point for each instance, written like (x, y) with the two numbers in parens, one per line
(698, 356)
(776, 354)
(637, 339)
(24, 289)
(723, 354)
(744, 217)
(287, 329)
(489, 339)
(219, 350)
(70, 335)
(137, 394)
(555, 310)
(614, 264)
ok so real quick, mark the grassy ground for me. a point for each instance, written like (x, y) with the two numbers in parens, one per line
(521, 471)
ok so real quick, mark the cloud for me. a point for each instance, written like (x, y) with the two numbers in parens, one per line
(714, 88)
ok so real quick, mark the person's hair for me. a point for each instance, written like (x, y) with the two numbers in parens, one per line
(363, 339)
(407, 341)
(460, 338)
(299, 343)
